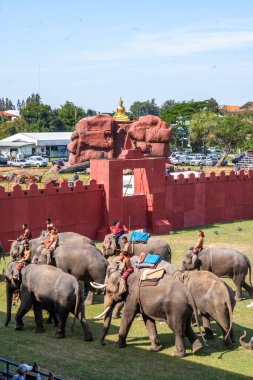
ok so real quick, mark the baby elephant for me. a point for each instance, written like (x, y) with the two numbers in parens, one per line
(49, 288)
(214, 299)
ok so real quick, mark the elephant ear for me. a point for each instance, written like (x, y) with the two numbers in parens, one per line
(122, 286)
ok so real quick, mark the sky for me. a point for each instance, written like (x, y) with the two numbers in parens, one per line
(91, 52)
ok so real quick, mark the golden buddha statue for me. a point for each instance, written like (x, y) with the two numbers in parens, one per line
(120, 114)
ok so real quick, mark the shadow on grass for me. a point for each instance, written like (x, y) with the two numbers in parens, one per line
(72, 358)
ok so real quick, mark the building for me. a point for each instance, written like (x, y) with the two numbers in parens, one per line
(54, 144)
(235, 110)
(10, 115)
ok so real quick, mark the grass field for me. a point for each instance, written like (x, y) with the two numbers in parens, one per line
(72, 358)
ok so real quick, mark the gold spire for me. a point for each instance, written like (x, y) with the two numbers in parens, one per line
(120, 114)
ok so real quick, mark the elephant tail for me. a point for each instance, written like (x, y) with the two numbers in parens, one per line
(195, 312)
(250, 280)
(230, 313)
(169, 253)
(77, 296)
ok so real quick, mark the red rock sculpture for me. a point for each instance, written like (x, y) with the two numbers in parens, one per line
(101, 133)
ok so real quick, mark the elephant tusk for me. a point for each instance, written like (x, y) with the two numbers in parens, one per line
(102, 314)
(97, 286)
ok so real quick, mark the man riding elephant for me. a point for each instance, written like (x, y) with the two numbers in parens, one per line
(198, 246)
(224, 262)
(76, 254)
(154, 245)
(49, 245)
(171, 302)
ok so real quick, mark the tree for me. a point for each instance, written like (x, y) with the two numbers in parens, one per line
(90, 112)
(185, 110)
(69, 114)
(9, 128)
(40, 117)
(6, 104)
(168, 105)
(201, 128)
(227, 132)
(149, 107)
(20, 104)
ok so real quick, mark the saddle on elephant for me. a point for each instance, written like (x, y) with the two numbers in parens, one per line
(151, 277)
(139, 237)
(148, 260)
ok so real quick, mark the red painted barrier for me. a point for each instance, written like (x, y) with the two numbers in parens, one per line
(160, 203)
(75, 209)
(209, 199)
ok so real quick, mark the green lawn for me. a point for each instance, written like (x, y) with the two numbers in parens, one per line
(74, 359)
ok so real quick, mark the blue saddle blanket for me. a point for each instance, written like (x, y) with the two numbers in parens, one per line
(151, 259)
(139, 236)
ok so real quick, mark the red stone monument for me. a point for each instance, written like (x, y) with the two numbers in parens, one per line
(107, 134)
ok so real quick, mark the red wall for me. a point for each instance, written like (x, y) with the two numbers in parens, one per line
(161, 204)
(204, 200)
(77, 210)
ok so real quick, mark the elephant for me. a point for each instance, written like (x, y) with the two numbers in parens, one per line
(224, 262)
(169, 301)
(116, 264)
(49, 288)
(70, 237)
(74, 255)
(248, 346)
(213, 298)
(154, 245)
(85, 263)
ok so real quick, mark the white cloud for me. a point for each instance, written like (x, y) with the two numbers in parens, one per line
(174, 43)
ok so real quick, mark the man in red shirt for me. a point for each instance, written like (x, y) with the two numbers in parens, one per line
(117, 230)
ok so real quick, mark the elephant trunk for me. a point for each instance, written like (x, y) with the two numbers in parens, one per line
(106, 327)
(248, 346)
(9, 296)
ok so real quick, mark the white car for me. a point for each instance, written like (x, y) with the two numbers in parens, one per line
(19, 162)
(198, 160)
(37, 161)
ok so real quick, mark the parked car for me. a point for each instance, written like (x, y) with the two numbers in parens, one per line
(185, 160)
(44, 156)
(3, 161)
(199, 159)
(238, 158)
(60, 161)
(19, 162)
(37, 161)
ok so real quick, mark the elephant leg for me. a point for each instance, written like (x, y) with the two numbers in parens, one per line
(248, 289)
(116, 311)
(130, 310)
(25, 306)
(176, 327)
(152, 333)
(195, 342)
(238, 283)
(63, 316)
(37, 308)
(89, 298)
(207, 327)
(52, 317)
(86, 328)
